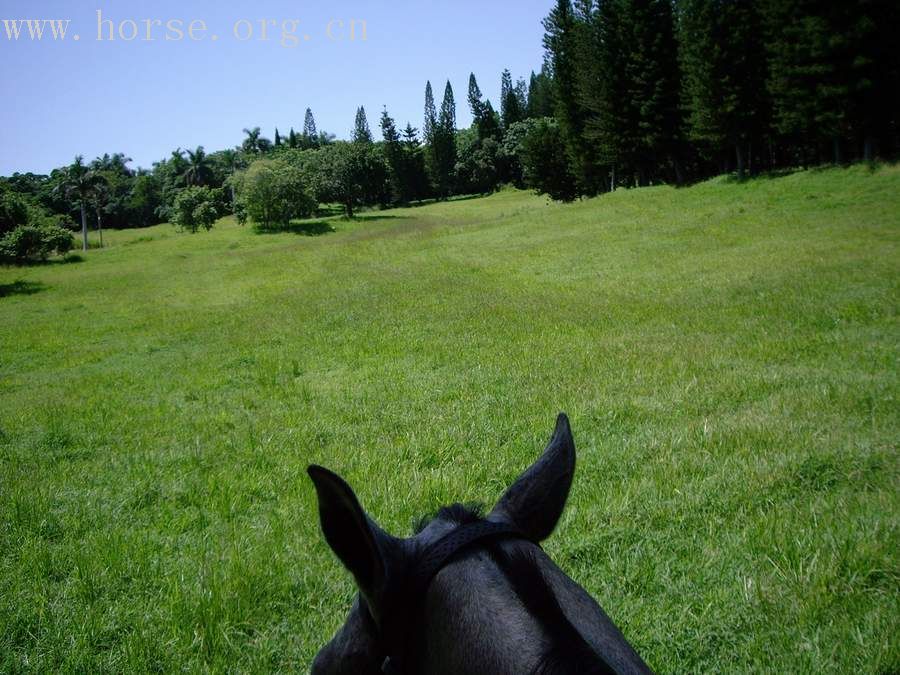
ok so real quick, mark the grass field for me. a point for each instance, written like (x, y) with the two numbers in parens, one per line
(728, 354)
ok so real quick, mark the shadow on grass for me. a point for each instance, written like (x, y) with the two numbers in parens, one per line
(308, 228)
(455, 198)
(774, 174)
(372, 217)
(20, 287)
(68, 259)
(328, 210)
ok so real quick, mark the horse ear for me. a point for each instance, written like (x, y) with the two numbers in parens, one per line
(536, 500)
(354, 537)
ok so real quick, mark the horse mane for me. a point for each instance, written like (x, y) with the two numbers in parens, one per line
(461, 514)
(569, 651)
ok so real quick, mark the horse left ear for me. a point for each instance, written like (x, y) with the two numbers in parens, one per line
(356, 539)
(536, 500)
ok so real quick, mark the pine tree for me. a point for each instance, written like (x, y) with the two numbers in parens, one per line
(310, 134)
(657, 88)
(510, 107)
(522, 96)
(443, 153)
(393, 154)
(277, 138)
(411, 136)
(430, 114)
(416, 183)
(724, 74)
(833, 73)
(361, 131)
(476, 105)
(484, 119)
(292, 139)
(540, 94)
(561, 40)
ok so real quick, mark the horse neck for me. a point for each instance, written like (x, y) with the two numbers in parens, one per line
(475, 624)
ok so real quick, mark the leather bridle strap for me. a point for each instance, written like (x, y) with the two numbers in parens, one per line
(402, 621)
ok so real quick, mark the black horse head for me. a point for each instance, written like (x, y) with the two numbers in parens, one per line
(468, 594)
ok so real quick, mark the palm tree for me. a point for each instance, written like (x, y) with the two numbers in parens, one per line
(78, 183)
(198, 171)
(100, 198)
(251, 143)
(231, 161)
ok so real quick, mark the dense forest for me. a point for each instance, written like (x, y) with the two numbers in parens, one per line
(631, 93)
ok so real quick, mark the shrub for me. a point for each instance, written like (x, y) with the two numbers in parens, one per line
(271, 192)
(35, 242)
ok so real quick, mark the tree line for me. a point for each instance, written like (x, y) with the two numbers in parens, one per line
(631, 93)
(650, 91)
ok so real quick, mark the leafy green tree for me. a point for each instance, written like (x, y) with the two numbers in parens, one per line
(545, 161)
(272, 192)
(352, 174)
(13, 210)
(224, 164)
(477, 170)
(195, 207)
(361, 131)
(144, 200)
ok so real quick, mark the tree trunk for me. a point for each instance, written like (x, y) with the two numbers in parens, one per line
(868, 148)
(612, 179)
(349, 208)
(100, 229)
(679, 172)
(739, 156)
(84, 241)
(838, 157)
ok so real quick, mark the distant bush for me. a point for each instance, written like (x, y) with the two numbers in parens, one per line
(27, 243)
(196, 207)
(271, 192)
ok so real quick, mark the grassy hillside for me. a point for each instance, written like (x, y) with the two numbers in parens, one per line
(727, 353)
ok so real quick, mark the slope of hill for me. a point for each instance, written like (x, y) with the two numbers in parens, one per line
(727, 353)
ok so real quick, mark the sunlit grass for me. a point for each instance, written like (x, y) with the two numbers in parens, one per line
(727, 354)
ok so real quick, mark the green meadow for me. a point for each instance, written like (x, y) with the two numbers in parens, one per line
(728, 355)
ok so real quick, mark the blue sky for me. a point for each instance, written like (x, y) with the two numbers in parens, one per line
(146, 98)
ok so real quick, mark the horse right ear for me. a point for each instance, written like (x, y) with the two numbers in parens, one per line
(354, 537)
(535, 502)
